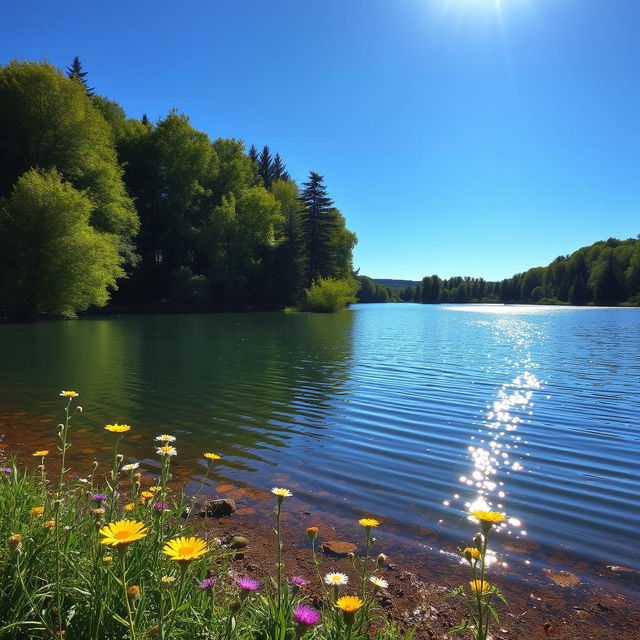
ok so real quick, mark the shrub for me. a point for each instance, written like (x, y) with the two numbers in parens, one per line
(328, 295)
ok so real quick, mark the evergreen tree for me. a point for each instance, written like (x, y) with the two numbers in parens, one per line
(253, 153)
(279, 170)
(145, 120)
(318, 225)
(75, 72)
(265, 167)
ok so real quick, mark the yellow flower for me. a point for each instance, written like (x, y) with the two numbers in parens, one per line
(481, 586)
(368, 522)
(212, 456)
(488, 516)
(147, 495)
(107, 559)
(185, 549)
(167, 580)
(40, 454)
(281, 493)
(68, 394)
(49, 523)
(471, 552)
(99, 512)
(117, 428)
(349, 604)
(133, 591)
(123, 532)
(14, 539)
(37, 511)
(129, 507)
(154, 489)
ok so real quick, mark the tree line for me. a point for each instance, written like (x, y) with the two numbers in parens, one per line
(98, 206)
(606, 273)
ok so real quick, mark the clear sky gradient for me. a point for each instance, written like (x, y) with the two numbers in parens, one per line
(458, 137)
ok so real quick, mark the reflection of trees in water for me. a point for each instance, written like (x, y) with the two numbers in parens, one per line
(241, 385)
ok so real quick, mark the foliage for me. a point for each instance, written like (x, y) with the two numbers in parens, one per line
(75, 72)
(91, 560)
(330, 294)
(52, 261)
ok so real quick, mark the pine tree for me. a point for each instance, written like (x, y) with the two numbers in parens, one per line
(253, 153)
(279, 170)
(75, 72)
(318, 224)
(145, 119)
(265, 167)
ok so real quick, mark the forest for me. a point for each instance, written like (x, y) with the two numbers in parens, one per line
(606, 273)
(97, 207)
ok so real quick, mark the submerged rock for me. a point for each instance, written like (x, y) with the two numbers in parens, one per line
(338, 547)
(217, 508)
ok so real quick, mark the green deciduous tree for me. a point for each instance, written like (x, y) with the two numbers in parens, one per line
(52, 261)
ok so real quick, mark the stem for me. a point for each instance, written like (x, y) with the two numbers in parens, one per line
(364, 566)
(125, 595)
(183, 573)
(63, 437)
(58, 596)
(279, 553)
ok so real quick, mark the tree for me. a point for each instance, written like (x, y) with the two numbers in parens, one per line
(279, 170)
(47, 121)
(75, 72)
(52, 261)
(319, 224)
(253, 154)
(265, 167)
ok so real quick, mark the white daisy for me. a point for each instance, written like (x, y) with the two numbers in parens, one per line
(281, 493)
(165, 438)
(166, 451)
(131, 467)
(336, 579)
(379, 582)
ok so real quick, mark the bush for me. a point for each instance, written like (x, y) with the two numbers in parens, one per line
(328, 295)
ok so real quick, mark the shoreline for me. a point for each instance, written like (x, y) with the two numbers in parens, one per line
(608, 608)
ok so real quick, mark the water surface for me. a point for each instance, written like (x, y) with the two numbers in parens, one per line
(409, 412)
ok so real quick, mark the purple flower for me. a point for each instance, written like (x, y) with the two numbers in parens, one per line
(7, 470)
(306, 615)
(99, 497)
(207, 584)
(248, 584)
(159, 506)
(299, 582)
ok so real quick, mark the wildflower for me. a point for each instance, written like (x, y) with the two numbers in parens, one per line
(37, 511)
(154, 489)
(368, 523)
(312, 532)
(379, 582)
(481, 586)
(185, 549)
(98, 512)
(299, 582)
(69, 394)
(159, 506)
(165, 438)
(15, 543)
(381, 559)
(471, 553)
(117, 428)
(7, 470)
(147, 495)
(212, 456)
(248, 584)
(207, 584)
(83, 480)
(305, 615)
(281, 493)
(99, 498)
(133, 591)
(123, 532)
(487, 519)
(107, 559)
(166, 451)
(131, 467)
(167, 581)
(349, 604)
(336, 579)
(40, 454)
(129, 507)
(49, 523)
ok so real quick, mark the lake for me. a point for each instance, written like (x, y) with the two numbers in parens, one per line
(408, 412)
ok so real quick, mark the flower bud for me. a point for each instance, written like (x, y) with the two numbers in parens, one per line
(119, 457)
(381, 559)
(79, 409)
(477, 541)
(95, 465)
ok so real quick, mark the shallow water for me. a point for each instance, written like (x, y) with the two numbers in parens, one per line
(408, 412)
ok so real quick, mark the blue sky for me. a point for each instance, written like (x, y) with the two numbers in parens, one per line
(470, 137)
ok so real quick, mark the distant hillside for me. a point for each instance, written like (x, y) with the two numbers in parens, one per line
(396, 284)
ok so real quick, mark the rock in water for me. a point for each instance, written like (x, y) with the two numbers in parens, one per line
(218, 508)
(238, 542)
(338, 548)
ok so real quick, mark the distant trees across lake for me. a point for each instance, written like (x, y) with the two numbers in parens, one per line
(606, 273)
(95, 204)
